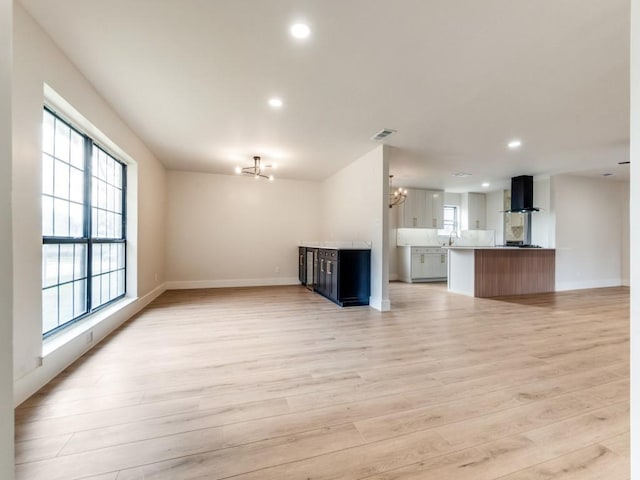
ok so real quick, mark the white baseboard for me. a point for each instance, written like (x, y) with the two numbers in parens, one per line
(242, 282)
(384, 305)
(582, 285)
(75, 344)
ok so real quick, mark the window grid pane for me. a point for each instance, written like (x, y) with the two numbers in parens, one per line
(106, 199)
(108, 272)
(68, 216)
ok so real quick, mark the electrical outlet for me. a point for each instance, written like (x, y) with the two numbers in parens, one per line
(277, 269)
(155, 277)
(90, 338)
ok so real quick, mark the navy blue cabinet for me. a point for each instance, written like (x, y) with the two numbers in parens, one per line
(343, 276)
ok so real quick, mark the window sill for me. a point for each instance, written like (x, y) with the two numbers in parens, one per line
(54, 342)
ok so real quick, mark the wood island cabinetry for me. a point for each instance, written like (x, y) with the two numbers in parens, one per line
(498, 271)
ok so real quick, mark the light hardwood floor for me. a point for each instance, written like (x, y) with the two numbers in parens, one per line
(278, 383)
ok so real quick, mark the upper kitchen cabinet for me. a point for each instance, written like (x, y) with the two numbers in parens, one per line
(413, 210)
(435, 209)
(474, 211)
(422, 209)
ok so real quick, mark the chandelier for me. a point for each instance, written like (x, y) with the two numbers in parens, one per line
(256, 171)
(398, 197)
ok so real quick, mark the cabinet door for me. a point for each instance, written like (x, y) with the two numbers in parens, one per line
(432, 265)
(477, 211)
(413, 210)
(443, 265)
(302, 271)
(417, 265)
(322, 272)
(312, 268)
(437, 209)
(332, 278)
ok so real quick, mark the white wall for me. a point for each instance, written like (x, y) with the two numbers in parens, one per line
(635, 240)
(543, 225)
(453, 199)
(37, 61)
(588, 215)
(393, 243)
(227, 230)
(495, 217)
(6, 344)
(464, 211)
(625, 234)
(355, 207)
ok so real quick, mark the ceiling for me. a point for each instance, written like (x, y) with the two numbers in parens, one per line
(457, 79)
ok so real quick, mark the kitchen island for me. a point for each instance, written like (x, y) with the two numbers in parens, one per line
(498, 271)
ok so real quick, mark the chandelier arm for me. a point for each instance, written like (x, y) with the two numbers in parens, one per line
(256, 170)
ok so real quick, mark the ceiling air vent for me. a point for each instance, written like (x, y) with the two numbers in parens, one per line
(382, 134)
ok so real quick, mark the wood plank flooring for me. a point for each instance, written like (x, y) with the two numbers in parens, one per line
(278, 383)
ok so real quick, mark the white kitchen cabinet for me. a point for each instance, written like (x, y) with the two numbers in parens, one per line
(417, 267)
(421, 264)
(435, 209)
(413, 210)
(422, 209)
(474, 211)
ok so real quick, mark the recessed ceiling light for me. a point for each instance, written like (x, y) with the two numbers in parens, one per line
(626, 162)
(460, 174)
(607, 174)
(514, 144)
(300, 30)
(275, 102)
(486, 184)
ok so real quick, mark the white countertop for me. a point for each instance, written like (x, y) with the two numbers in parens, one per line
(421, 246)
(454, 247)
(337, 245)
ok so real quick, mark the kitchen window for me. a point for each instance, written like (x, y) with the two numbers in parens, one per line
(83, 225)
(450, 220)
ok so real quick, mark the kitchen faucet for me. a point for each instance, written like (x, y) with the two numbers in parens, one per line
(453, 232)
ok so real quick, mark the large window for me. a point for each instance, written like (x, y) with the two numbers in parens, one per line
(83, 225)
